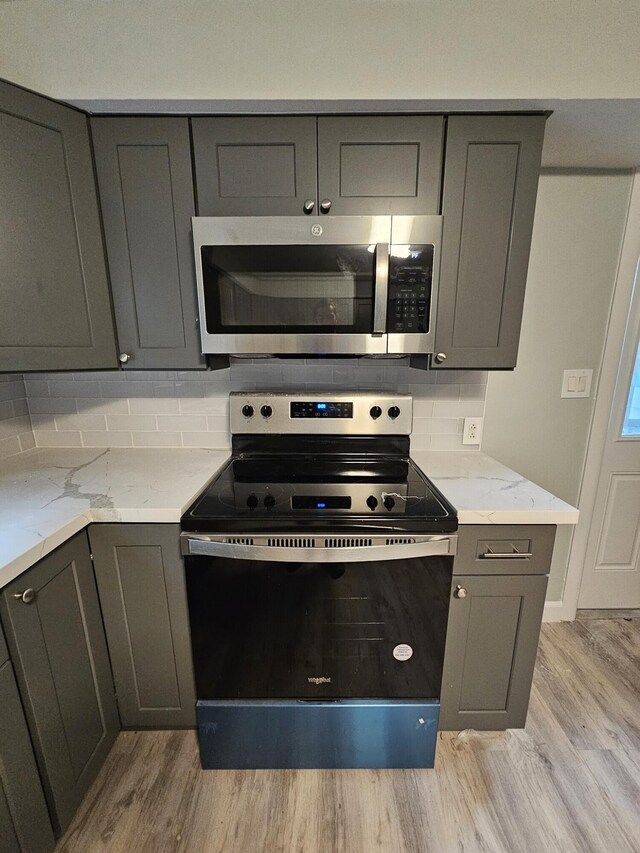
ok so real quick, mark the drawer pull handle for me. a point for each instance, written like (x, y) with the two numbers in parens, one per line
(506, 555)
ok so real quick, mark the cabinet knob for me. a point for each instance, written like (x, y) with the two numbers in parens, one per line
(325, 205)
(460, 592)
(124, 357)
(440, 357)
(308, 206)
(27, 596)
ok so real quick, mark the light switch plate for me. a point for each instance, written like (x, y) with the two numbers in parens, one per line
(576, 383)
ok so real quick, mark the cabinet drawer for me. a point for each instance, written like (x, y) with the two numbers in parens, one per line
(513, 549)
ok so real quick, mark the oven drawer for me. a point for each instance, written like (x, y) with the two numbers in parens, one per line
(510, 549)
(317, 735)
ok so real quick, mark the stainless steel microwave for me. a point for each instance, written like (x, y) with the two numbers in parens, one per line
(347, 285)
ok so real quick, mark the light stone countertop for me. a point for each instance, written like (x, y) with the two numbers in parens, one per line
(48, 494)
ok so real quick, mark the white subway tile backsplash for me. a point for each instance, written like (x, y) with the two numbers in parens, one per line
(190, 408)
(27, 441)
(140, 423)
(79, 422)
(74, 388)
(51, 438)
(102, 406)
(157, 439)
(107, 439)
(153, 406)
(215, 440)
(182, 423)
(51, 405)
(13, 390)
(9, 446)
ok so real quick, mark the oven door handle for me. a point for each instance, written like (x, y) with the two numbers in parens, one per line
(381, 292)
(210, 546)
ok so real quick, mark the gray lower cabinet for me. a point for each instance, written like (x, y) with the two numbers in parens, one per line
(373, 165)
(146, 196)
(53, 626)
(489, 195)
(497, 600)
(56, 309)
(490, 653)
(24, 819)
(140, 575)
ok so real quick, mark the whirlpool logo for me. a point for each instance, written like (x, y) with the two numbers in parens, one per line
(319, 680)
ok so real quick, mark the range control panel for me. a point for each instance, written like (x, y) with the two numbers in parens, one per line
(410, 276)
(349, 413)
(321, 409)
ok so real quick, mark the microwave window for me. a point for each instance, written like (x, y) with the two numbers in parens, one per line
(288, 288)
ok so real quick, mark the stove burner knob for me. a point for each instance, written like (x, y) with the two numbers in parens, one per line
(269, 501)
(372, 502)
(252, 501)
(393, 412)
(389, 502)
(247, 411)
(266, 411)
(375, 412)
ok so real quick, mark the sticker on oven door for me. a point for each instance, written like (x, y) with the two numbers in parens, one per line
(402, 652)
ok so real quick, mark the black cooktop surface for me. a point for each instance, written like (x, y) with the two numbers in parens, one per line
(319, 489)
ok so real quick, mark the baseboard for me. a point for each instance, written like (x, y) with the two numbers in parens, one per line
(553, 611)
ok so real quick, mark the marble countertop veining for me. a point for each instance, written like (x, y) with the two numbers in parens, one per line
(484, 491)
(48, 494)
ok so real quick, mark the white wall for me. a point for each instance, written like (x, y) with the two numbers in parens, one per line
(577, 235)
(321, 49)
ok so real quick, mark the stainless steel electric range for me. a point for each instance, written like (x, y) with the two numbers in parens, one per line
(318, 566)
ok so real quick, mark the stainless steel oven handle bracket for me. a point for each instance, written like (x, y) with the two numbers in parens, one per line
(382, 289)
(211, 546)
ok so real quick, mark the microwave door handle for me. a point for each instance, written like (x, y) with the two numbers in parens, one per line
(381, 291)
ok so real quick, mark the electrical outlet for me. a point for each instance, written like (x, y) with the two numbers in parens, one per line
(472, 431)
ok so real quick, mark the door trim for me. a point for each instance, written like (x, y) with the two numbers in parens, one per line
(616, 329)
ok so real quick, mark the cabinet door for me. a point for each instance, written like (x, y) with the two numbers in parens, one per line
(140, 575)
(380, 164)
(24, 820)
(263, 166)
(58, 648)
(146, 195)
(490, 652)
(490, 184)
(56, 310)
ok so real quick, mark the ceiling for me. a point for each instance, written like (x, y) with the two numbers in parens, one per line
(581, 134)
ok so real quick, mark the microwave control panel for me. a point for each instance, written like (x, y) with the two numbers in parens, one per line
(410, 274)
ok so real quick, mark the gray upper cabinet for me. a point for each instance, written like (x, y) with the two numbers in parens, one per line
(140, 575)
(56, 310)
(380, 164)
(24, 819)
(58, 649)
(146, 195)
(490, 184)
(343, 165)
(263, 166)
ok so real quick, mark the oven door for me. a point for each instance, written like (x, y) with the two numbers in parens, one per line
(280, 285)
(318, 657)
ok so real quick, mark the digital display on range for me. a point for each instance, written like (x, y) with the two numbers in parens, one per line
(315, 502)
(304, 409)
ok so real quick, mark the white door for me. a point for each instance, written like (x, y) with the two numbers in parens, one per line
(611, 576)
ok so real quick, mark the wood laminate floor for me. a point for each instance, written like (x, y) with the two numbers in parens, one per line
(570, 781)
